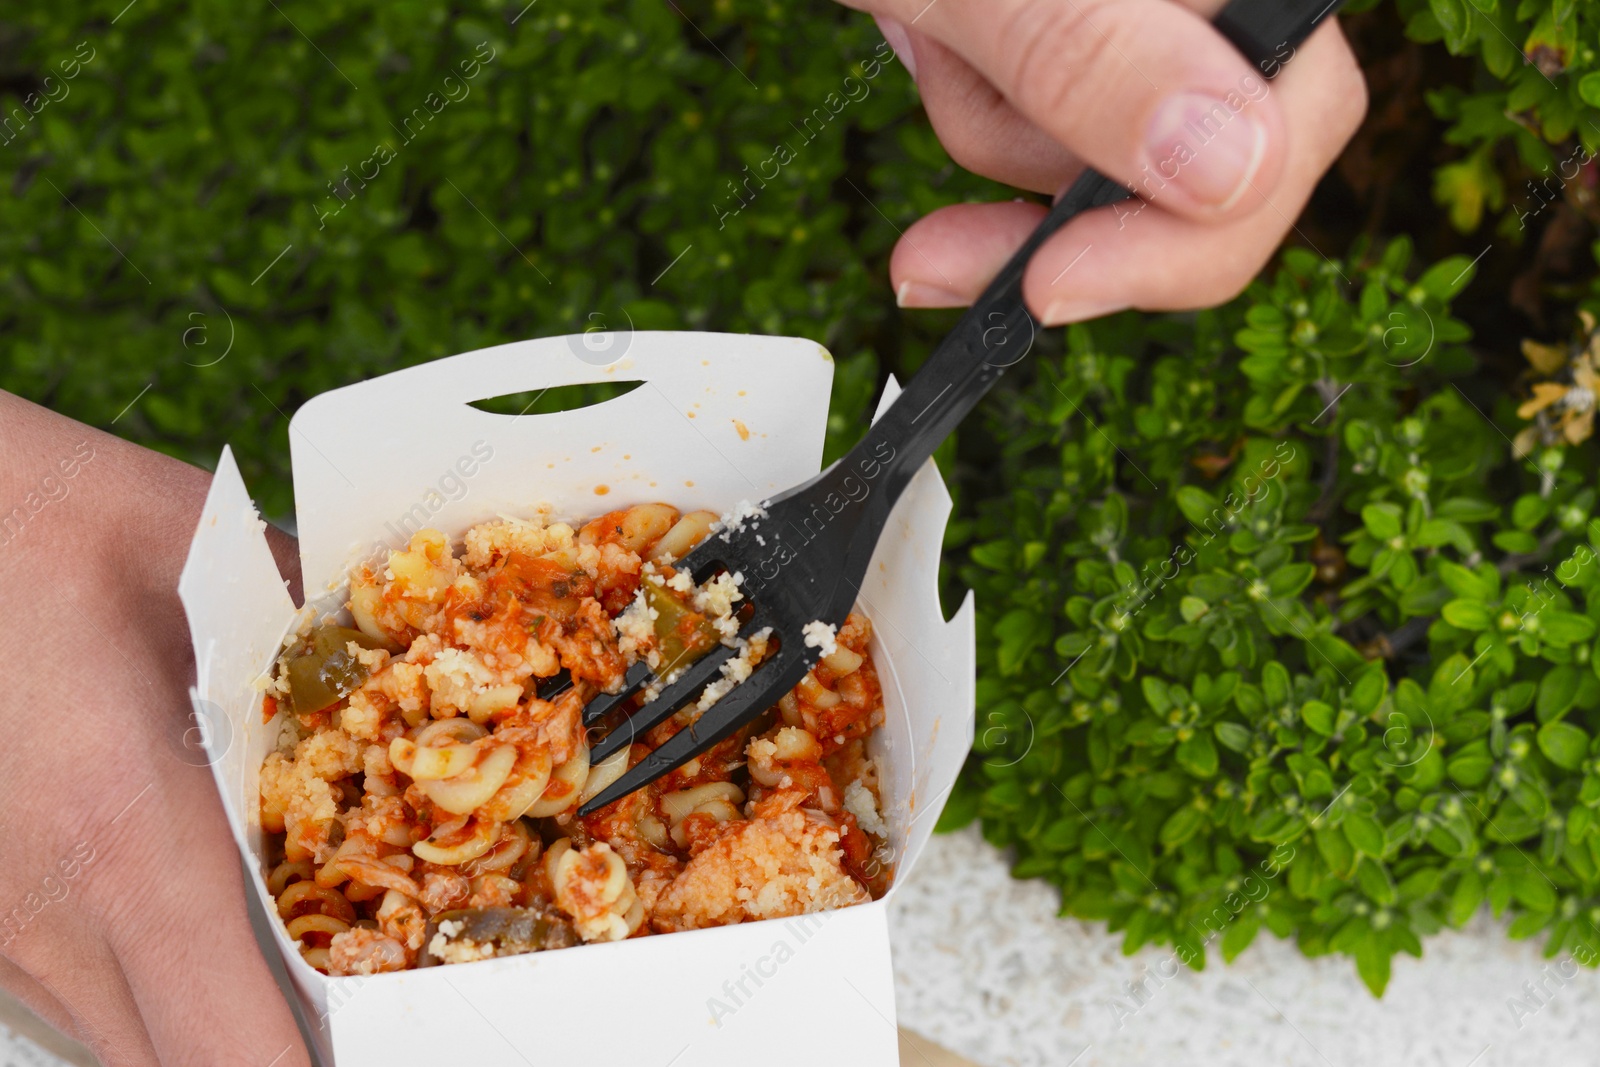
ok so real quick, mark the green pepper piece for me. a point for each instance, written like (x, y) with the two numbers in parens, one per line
(325, 672)
(512, 931)
(683, 634)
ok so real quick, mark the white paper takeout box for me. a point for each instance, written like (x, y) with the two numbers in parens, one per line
(718, 419)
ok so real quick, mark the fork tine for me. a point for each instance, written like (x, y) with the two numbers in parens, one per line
(606, 703)
(737, 707)
(553, 686)
(700, 560)
(724, 547)
(685, 688)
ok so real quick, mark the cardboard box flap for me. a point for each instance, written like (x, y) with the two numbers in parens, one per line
(720, 418)
(926, 665)
(238, 609)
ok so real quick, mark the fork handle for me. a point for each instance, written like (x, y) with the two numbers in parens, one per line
(997, 331)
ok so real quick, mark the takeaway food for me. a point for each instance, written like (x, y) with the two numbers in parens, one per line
(421, 805)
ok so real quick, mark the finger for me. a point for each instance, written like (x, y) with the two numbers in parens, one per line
(979, 127)
(945, 259)
(1132, 255)
(184, 938)
(71, 978)
(976, 123)
(1139, 255)
(36, 998)
(1133, 87)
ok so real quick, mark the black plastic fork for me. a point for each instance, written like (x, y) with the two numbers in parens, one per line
(804, 560)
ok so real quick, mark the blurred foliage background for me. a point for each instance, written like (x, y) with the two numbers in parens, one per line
(214, 212)
(177, 149)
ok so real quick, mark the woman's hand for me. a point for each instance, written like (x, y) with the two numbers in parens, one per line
(122, 910)
(1029, 92)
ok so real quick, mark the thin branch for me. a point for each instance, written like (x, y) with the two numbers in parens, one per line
(1518, 560)
(1330, 392)
(1323, 508)
(1408, 635)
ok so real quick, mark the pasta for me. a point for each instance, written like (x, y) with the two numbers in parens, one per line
(421, 805)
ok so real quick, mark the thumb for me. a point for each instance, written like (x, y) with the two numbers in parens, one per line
(1145, 91)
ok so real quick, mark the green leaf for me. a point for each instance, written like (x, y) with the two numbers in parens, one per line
(1558, 691)
(1372, 958)
(1312, 775)
(1527, 924)
(1435, 533)
(1369, 690)
(1420, 884)
(1197, 505)
(1156, 693)
(1275, 683)
(1318, 716)
(960, 809)
(1180, 826)
(1466, 898)
(1449, 276)
(1564, 744)
(1467, 509)
(1240, 934)
(1375, 883)
(1364, 833)
(1335, 850)
(1019, 633)
(996, 555)
(1516, 541)
(1564, 628)
(1383, 521)
(1233, 736)
(1589, 88)
(1470, 770)
(1470, 585)
(1579, 822)
(1410, 699)
(1529, 511)
(1467, 614)
(1290, 579)
(1198, 755)
(1531, 887)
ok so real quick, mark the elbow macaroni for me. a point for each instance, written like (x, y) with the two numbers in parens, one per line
(432, 806)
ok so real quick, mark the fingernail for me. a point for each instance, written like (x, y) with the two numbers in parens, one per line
(899, 40)
(919, 295)
(1063, 312)
(1206, 148)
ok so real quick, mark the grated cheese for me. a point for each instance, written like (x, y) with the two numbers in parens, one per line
(737, 668)
(717, 597)
(859, 801)
(820, 635)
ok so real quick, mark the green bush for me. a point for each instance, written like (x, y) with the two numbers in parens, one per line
(1269, 593)
(1289, 609)
(1538, 87)
(153, 191)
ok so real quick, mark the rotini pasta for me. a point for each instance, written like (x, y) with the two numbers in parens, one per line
(423, 799)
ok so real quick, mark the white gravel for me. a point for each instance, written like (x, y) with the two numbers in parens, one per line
(984, 967)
